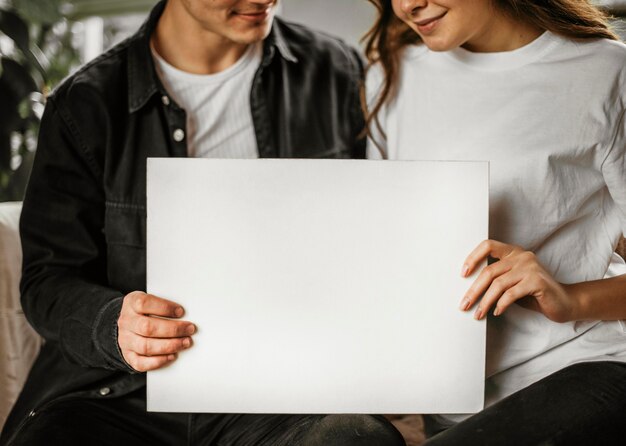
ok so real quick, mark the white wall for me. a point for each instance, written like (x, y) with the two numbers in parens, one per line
(348, 19)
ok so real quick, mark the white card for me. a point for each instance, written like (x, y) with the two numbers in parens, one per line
(318, 286)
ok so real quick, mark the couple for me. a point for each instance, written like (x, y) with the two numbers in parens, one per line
(536, 88)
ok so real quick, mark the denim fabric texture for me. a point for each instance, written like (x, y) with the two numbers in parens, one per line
(583, 404)
(124, 421)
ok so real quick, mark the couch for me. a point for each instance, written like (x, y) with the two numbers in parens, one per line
(19, 344)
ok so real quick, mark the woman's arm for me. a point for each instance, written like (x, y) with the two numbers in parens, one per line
(519, 277)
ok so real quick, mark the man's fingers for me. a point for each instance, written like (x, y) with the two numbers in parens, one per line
(156, 347)
(143, 303)
(147, 363)
(154, 327)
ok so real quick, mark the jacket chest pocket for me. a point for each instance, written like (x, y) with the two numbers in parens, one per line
(125, 235)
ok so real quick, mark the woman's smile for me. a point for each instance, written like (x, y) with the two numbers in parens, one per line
(428, 25)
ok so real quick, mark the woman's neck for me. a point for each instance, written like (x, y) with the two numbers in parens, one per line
(502, 34)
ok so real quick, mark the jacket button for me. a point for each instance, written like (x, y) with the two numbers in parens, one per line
(165, 100)
(104, 391)
(179, 135)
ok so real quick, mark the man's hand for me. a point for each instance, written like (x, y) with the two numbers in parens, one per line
(147, 341)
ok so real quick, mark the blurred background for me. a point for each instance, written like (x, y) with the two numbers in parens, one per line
(42, 41)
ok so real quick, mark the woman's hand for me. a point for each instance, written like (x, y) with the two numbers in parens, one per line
(516, 277)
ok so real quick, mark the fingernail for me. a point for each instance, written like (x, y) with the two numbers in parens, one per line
(179, 311)
(464, 304)
(478, 314)
(496, 312)
(190, 329)
(171, 357)
(464, 271)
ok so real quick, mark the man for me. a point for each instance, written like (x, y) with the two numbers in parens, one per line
(211, 78)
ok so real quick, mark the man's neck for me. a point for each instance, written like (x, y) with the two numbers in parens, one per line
(193, 50)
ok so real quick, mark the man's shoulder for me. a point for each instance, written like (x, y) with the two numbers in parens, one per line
(104, 75)
(314, 46)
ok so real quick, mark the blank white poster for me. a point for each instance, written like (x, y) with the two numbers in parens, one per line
(318, 286)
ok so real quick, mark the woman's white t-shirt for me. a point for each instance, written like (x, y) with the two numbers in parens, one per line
(549, 117)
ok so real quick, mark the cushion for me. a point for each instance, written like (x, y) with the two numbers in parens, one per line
(19, 344)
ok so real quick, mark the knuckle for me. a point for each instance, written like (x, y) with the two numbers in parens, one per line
(122, 340)
(489, 273)
(144, 347)
(498, 284)
(140, 366)
(133, 361)
(146, 327)
(139, 302)
(122, 321)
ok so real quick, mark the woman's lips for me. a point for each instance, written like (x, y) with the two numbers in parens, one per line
(428, 25)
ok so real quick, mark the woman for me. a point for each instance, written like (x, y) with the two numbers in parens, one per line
(538, 89)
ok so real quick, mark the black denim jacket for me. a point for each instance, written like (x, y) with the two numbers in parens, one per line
(83, 223)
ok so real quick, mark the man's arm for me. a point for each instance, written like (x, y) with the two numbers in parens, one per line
(64, 283)
(64, 266)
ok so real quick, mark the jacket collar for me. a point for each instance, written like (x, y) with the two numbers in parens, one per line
(143, 81)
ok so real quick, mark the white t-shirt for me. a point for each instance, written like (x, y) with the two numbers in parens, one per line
(219, 120)
(549, 117)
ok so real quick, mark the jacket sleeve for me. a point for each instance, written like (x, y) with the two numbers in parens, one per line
(63, 289)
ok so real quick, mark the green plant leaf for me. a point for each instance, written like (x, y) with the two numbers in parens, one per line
(15, 28)
(17, 79)
(39, 11)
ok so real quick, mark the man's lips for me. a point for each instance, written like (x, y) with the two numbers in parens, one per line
(254, 15)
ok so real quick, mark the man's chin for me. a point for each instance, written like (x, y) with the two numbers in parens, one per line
(253, 35)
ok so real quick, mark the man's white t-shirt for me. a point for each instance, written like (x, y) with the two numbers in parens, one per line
(549, 117)
(219, 120)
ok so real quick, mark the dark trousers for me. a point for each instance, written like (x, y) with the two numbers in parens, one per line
(124, 421)
(584, 404)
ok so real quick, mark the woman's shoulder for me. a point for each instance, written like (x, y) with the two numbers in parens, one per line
(603, 53)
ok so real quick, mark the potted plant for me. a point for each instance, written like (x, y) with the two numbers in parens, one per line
(36, 52)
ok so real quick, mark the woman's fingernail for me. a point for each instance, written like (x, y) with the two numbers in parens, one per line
(190, 329)
(179, 311)
(496, 312)
(465, 270)
(478, 314)
(464, 304)
(171, 357)
(186, 342)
